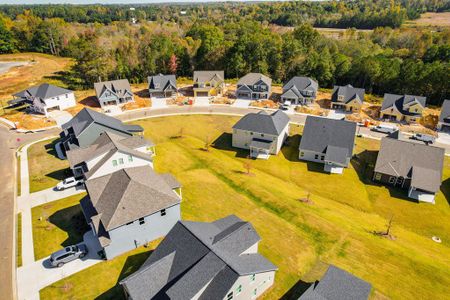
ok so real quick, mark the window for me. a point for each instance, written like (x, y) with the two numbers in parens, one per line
(163, 212)
(400, 181)
(262, 134)
(239, 289)
(129, 223)
(120, 161)
(57, 98)
(230, 296)
(340, 97)
(67, 96)
(377, 176)
(130, 158)
(251, 133)
(114, 162)
(252, 277)
(316, 156)
(392, 179)
(141, 221)
(254, 293)
(156, 85)
(322, 157)
(302, 154)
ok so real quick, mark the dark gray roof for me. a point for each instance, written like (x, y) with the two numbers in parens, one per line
(119, 87)
(262, 122)
(253, 78)
(298, 83)
(261, 144)
(163, 80)
(400, 101)
(445, 112)
(194, 254)
(422, 163)
(334, 138)
(87, 116)
(349, 92)
(129, 194)
(43, 91)
(206, 76)
(338, 284)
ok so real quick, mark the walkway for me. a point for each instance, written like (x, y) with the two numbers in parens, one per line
(242, 103)
(60, 116)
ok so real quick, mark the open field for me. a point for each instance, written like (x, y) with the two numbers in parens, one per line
(430, 19)
(57, 224)
(46, 170)
(300, 238)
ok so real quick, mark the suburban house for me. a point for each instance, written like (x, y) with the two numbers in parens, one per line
(110, 152)
(162, 86)
(45, 98)
(208, 83)
(347, 98)
(300, 90)
(338, 284)
(204, 260)
(131, 207)
(444, 117)
(84, 128)
(406, 108)
(113, 92)
(410, 165)
(261, 133)
(254, 86)
(328, 141)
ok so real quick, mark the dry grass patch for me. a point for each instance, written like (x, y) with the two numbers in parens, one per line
(29, 121)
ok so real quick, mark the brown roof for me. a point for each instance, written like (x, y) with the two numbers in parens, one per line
(129, 194)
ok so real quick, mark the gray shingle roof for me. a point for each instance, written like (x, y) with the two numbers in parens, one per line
(206, 76)
(399, 101)
(338, 284)
(87, 116)
(299, 83)
(349, 92)
(262, 122)
(162, 80)
(120, 87)
(253, 78)
(334, 138)
(445, 112)
(422, 163)
(129, 194)
(43, 91)
(198, 253)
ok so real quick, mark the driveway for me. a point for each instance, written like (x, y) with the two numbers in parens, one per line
(159, 102)
(60, 116)
(201, 101)
(336, 114)
(241, 103)
(443, 138)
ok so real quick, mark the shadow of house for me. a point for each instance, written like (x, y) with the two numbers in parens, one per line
(296, 290)
(90, 101)
(276, 97)
(187, 91)
(60, 174)
(364, 164)
(445, 189)
(70, 220)
(143, 93)
(316, 167)
(132, 264)
(224, 142)
(290, 148)
(324, 103)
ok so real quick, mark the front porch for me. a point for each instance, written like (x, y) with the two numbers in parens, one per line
(260, 149)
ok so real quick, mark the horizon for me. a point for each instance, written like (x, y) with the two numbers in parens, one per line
(103, 2)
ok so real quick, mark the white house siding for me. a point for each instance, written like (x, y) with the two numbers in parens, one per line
(108, 167)
(331, 168)
(61, 102)
(262, 282)
(131, 236)
(310, 156)
(242, 139)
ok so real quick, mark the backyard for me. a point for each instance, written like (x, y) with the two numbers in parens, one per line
(306, 218)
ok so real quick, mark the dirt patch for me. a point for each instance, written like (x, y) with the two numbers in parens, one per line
(29, 121)
(222, 100)
(315, 110)
(431, 19)
(265, 104)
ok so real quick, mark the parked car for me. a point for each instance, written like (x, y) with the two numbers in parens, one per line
(385, 128)
(63, 256)
(285, 105)
(426, 138)
(68, 183)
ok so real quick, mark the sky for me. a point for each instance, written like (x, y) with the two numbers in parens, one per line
(102, 1)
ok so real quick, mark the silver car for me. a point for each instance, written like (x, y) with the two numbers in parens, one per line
(59, 258)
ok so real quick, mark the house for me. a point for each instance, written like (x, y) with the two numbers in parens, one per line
(338, 284)
(261, 133)
(131, 207)
(328, 141)
(110, 152)
(254, 86)
(84, 128)
(204, 260)
(347, 98)
(444, 117)
(208, 83)
(114, 92)
(45, 98)
(410, 165)
(406, 108)
(300, 90)
(162, 86)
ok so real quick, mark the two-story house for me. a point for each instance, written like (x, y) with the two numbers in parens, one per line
(204, 260)
(328, 141)
(110, 152)
(261, 133)
(86, 126)
(162, 86)
(113, 92)
(406, 108)
(300, 91)
(208, 83)
(444, 117)
(254, 86)
(347, 98)
(45, 98)
(410, 165)
(131, 207)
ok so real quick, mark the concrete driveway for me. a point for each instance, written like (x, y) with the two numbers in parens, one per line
(241, 103)
(60, 116)
(201, 101)
(336, 114)
(159, 102)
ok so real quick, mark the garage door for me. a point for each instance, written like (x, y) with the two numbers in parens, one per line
(445, 128)
(202, 94)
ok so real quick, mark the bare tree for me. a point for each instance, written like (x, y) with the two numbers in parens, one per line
(247, 167)
(207, 143)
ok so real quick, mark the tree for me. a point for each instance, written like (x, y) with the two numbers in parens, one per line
(173, 64)
(6, 37)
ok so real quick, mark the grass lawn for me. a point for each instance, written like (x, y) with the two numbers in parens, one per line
(300, 238)
(45, 168)
(57, 224)
(19, 241)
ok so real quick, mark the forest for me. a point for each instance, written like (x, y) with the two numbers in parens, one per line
(108, 46)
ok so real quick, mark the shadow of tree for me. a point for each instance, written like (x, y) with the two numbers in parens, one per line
(68, 79)
(132, 264)
(70, 220)
(224, 142)
(445, 189)
(296, 290)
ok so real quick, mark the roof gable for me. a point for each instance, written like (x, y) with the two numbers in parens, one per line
(43, 91)
(445, 112)
(255, 79)
(348, 94)
(262, 122)
(301, 83)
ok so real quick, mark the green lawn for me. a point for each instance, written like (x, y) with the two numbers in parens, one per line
(46, 169)
(299, 238)
(57, 224)
(19, 241)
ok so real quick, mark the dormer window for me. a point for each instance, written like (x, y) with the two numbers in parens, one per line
(340, 97)
(156, 85)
